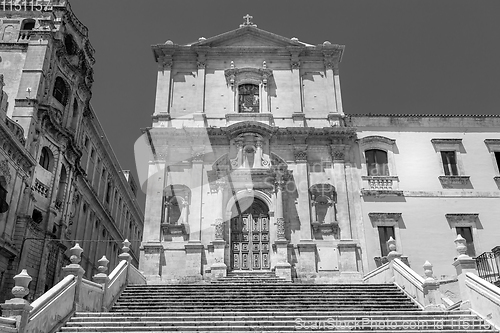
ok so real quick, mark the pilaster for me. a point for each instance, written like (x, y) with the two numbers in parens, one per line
(151, 247)
(301, 177)
(163, 83)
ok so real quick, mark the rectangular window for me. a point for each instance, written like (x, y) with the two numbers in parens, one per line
(497, 158)
(466, 232)
(449, 163)
(384, 233)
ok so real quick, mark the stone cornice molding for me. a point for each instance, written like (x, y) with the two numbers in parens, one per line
(440, 141)
(468, 218)
(385, 218)
(492, 144)
(376, 139)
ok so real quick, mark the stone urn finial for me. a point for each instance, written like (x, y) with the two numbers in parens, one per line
(21, 282)
(125, 249)
(103, 265)
(75, 254)
(428, 271)
(460, 243)
(391, 245)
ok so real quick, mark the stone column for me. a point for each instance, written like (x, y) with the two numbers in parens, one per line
(463, 264)
(219, 268)
(151, 247)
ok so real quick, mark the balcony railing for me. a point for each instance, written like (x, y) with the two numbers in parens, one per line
(487, 265)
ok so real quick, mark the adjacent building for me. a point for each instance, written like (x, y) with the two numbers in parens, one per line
(60, 181)
(256, 167)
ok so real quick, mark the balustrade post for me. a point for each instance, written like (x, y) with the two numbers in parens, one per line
(75, 269)
(463, 264)
(102, 278)
(18, 308)
(431, 290)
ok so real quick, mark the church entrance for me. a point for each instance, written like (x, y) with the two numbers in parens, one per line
(250, 236)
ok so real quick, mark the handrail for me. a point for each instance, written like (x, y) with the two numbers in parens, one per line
(40, 303)
(115, 273)
(410, 274)
(376, 271)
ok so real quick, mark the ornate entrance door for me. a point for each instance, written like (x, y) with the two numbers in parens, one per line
(250, 242)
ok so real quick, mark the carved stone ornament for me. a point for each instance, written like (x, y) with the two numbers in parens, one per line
(248, 74)
(280, 227)
(300, 155)
(5, 171)
(338, 153)
(219, 228)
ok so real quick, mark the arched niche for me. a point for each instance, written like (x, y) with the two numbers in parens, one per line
(323, 208)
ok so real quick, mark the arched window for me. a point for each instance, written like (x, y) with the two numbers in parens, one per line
(376, 162)
(61, 91)
(248, 98)
(28, 24)
(46, 159)
(70, 45)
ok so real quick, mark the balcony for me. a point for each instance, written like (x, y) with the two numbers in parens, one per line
(381, 186)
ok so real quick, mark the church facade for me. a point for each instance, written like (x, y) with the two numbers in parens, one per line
(254, 166)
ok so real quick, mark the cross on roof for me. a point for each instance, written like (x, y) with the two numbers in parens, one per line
(248, 21)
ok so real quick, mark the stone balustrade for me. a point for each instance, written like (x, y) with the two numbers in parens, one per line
(73, 293)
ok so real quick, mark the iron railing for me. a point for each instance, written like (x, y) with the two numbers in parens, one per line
(487, 265)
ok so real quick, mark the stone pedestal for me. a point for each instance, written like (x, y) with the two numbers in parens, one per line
(282, 268)
(193, 261)
(152, 255)
(306, 267)
(18, 309)
(463, 265)
(347, 255)
(218, 268)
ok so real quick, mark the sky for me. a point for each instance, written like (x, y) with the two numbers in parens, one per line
(405, 57)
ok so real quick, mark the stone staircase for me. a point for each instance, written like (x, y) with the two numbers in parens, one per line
(245, 302)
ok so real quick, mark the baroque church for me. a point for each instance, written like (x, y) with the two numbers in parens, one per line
(254, 166)
(60, 182)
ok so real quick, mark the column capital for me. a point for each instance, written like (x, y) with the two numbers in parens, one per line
(300, 153)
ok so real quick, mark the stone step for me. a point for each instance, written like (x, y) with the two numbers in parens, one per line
(270, 324)
(245, 306)
(324, 312)
(313, 327)
(118, 317)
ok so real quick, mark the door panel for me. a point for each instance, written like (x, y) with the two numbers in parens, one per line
(250, 242)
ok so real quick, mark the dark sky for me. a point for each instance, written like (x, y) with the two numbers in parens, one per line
(409, 57)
